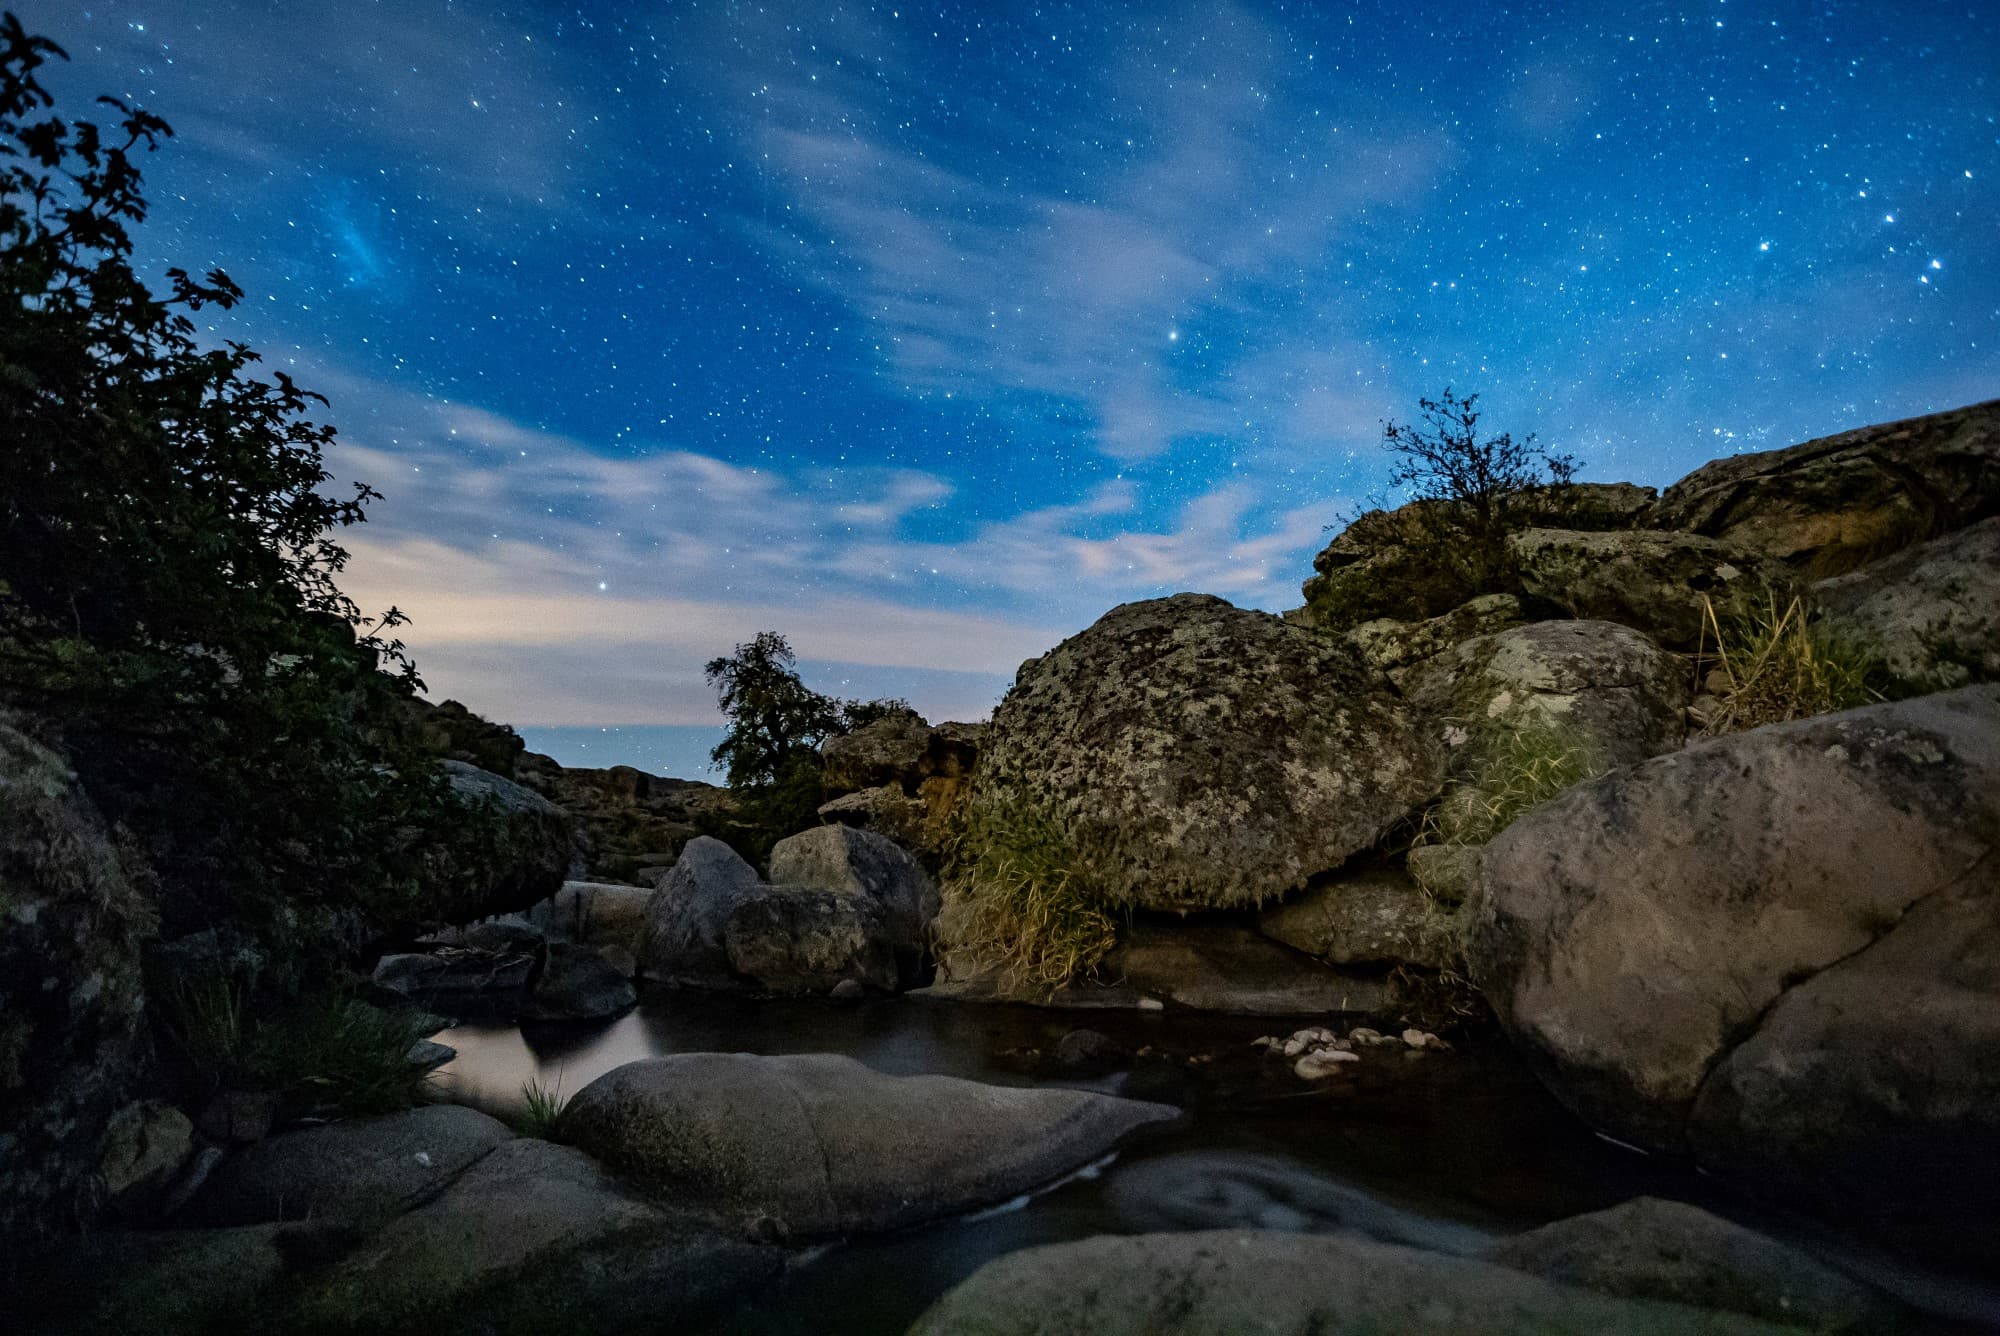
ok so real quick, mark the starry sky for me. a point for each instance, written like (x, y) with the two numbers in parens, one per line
(924, 334)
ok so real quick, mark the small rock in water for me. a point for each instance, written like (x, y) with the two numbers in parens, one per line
(1081, 1049)
(1322, 1063)
(1151, 1004)
(1363, 1037)
(1419, 1038)
(1309, 1040)
(848, 990)
(427, 1054)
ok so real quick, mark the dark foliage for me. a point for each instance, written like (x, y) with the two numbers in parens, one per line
(167, 559)
(1471, 491)
(776, 725)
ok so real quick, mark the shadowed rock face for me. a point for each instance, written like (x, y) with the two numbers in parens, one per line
(1641, 578)
(1931, 613)
(1284, 1285)
(1779, 950)
(1200, 755)
(815, 1145)
(71, 995)
(1835, 502)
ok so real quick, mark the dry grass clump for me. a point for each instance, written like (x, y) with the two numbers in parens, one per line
(1022, 900)
(1765, 665)
(1519, 769)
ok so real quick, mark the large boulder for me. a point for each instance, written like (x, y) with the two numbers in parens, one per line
(533, 1237)
(592, 913)
(687, 916)
(890, 750)
(1281, 1284)
(862, 863)
(1839, 501)
(511, 848)
(1393, 646)
(1195, 754)
(1657, 582)
(817, 1145)
(72, 999)
(799, 941)
(1649, 1248)
(1778, 950)
(1610, 688)
(575, 983)
(1930, 614)
(363, 1171)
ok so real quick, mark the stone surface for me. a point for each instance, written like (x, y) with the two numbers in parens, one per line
(1392, 646)
(686, 916)
(534, 1237)
(1831, 504)
(817, 1145)
(1206, 963)
(799, 941)
(515, 847)
(593, 913)
(1930, 614)
(888, 751)
(630, 820)
(1379, 917)
(72, 999)
(1197, 754)
(457, 977)
(576, 983)
(364, 1170)
(145, 1145)
(1282, 1284)
(114, 1282)
(1777, 949)
(886, 810)
(862, 863)
(1650, 580)
(1649, 1248)
(1619, 695)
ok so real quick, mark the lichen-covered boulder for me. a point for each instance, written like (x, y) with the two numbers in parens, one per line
(1609, 687)
(1196, 754)
(1778, 950)
(1930, 614)
(1394, 646)
(812, 1145)
(888, 751)
(1836, 502)
(1642, 578)
(72, 997)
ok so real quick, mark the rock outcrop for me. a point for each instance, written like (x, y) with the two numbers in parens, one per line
(513, 848)
(816, 1145)
(1654, 581)
(1930, 614)
(72, 997)
(1834, 503)
(1195, 754)
(1779, 951)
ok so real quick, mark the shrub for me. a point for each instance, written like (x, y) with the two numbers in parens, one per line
(1766, 664)
(1470, 492)
(1021, 899)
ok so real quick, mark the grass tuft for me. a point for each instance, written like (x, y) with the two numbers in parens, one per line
(1520, 768)
(541, 1111)
(1023, 900)
(1768, 664)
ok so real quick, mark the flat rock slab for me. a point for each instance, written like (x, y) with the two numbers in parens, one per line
(818, 1145)
(1279, 1284)
(364, 1170)
(535, 1237)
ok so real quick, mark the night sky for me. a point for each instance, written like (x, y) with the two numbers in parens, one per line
(924, 336)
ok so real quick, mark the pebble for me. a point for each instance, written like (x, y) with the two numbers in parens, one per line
(1322, 1063)
(1151, 1004)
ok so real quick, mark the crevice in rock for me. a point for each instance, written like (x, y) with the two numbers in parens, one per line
(1749, 1029)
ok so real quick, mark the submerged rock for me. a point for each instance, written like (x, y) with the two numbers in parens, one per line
(1282, 1284)
(1779, 950)
(817, 1145)
(1194, 754)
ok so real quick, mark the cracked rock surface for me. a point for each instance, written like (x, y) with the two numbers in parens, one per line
(1777, 950)
(817, 1145)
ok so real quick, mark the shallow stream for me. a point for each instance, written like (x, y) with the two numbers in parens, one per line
(1434, 1150)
